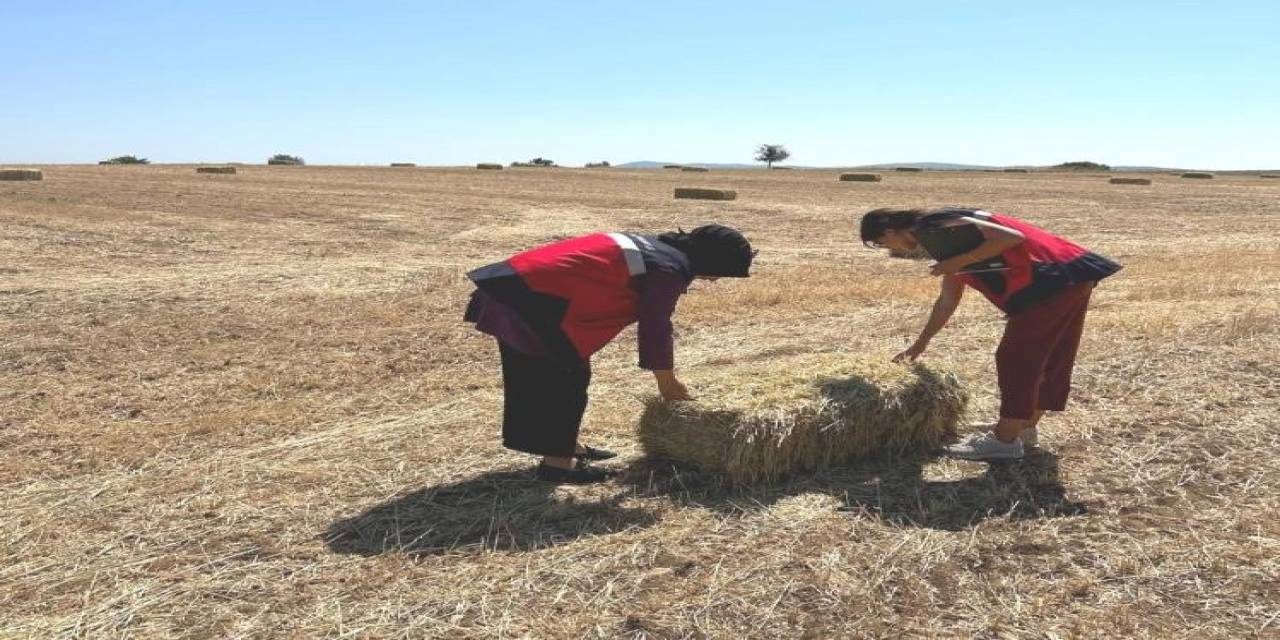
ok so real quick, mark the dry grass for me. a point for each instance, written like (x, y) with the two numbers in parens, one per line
(249, 409)
(802, 413)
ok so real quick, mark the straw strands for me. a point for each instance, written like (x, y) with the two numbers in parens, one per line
(21, 174)
(697, 193)
(804, 412)
(859, 177)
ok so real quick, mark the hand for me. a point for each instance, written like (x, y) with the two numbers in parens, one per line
(911, 353)
(950, 266)
(672, 389)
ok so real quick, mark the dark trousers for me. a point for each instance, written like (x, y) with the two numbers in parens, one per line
(543, 403)
(1038, 352)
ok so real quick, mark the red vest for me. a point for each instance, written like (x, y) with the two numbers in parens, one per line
(1038, 268)
(579, 290)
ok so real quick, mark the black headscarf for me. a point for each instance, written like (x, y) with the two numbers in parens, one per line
(714, 250)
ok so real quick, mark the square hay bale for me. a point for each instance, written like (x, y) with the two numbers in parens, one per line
(1198, 175)
(761, 421)
(21, 174)
(672, 166)
(909, 169)
(229, 170)
(697, 193)
(859, 177)
(403, 164)
(489, 166)
(1268, 175)
(1130, 181)
(695, 169)
(1017, 171)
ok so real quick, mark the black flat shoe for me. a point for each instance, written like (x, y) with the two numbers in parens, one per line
(580, 474)
(592, 453)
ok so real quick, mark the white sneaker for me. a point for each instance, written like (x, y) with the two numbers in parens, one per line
(985, 446)
(1030, 439)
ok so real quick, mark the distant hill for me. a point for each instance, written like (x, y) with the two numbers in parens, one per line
(889, 166)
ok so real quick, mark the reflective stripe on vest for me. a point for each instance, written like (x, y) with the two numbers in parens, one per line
(631, 252)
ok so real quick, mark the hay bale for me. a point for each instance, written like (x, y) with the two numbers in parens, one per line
(694, 169)
(230, 170)
(403, 164)
(1267, 175)
(697, 193)
(1198, 175)
(760, 421)
(1130, 181)
(672, 166)
(909, 169)
(859, 177)
(21, 174)
(489, 166)
(1017, 171)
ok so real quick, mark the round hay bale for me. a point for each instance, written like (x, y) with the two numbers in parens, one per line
(21, 174)
(1017, 171)
(909, 169)
(489, 166)
(698, 193)
(1198, 175)
(230, 170)
(758, 423)
(403, 164)
(859, 177)
(694, 169)
(1130, 181)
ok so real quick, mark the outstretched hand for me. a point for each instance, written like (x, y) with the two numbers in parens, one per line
(910, 353)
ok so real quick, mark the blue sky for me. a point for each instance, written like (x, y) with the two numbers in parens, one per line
(1187, 84)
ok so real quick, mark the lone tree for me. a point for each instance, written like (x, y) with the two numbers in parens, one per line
(771, 153)
(284, 158)
(126, 160)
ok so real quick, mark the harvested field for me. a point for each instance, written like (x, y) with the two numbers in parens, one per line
(249, 408)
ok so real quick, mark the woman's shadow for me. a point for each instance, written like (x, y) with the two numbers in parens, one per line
(500, 510)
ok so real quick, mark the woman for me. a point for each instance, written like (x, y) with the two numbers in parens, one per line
(552, 307)
(1041, 281)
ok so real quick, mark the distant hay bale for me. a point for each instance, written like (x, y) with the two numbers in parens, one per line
(230, 170)
(489, 166)
(761, 421)
(1017, 171)
(694, 169)
(21, 174)
(672, 166)
(909, 169)
(1198, 175)
(859, 177)
(1268, 175)
(696, 193)
(403, 164)
(1130, 181)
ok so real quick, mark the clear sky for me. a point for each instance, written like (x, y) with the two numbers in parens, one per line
(1186, 84)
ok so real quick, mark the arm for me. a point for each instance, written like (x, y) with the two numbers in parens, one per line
(948, 299)
(996, 240)
(655, 335)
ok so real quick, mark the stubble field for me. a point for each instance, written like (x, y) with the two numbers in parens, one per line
(246, 406)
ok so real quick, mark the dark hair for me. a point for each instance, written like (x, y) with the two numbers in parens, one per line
(877, 221)
(713, 250)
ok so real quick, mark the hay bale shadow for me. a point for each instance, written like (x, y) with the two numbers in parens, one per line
(892, 489)
(497, 511)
